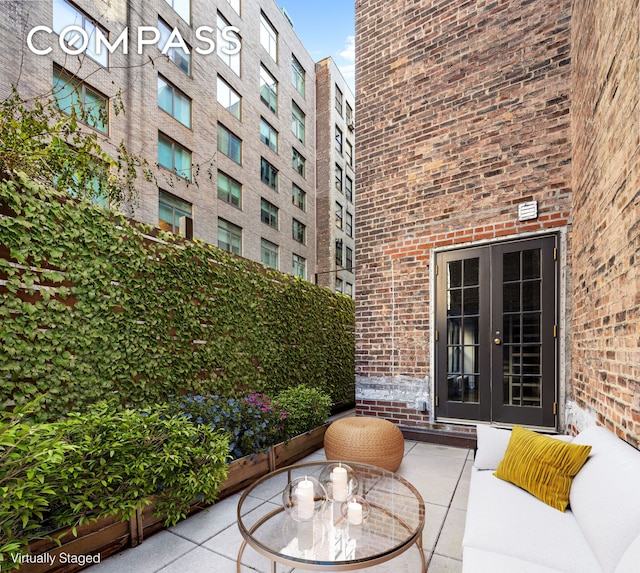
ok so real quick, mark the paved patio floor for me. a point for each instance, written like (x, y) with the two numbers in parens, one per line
(208, 542)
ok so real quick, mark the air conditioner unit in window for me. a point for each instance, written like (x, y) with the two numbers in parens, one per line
(186, 227)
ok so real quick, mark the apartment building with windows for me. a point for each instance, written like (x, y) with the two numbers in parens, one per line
(335, 173)
(233, 133)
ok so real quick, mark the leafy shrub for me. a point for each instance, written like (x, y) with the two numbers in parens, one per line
(30, 458)
(101, 463)
(124, 458)
(252, 423)
(306, 409)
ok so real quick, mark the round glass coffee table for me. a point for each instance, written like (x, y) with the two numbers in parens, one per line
(333, 539)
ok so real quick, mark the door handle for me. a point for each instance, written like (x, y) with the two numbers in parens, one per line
(497, 341)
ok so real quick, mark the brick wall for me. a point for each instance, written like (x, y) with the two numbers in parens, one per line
(606, 211)
(463, 112)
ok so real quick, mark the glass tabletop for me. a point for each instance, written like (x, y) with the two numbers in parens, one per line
(337, 535)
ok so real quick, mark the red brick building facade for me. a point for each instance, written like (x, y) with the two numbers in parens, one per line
(498, 148)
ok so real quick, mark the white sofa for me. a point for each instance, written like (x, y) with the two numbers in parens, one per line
(510, 531)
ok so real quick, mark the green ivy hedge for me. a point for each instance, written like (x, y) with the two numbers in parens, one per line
(101, 463)
(93, 307)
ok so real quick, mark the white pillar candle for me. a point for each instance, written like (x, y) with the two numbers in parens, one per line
(305, 499)
(339, 479)
(354, 511)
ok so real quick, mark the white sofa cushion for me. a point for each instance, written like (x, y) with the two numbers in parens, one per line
(491, 446)
(492, 443)
(476, 560)
(504, 519)
(605, 496)
(631, 559)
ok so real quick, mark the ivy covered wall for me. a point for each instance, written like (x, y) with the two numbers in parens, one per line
(93, 305)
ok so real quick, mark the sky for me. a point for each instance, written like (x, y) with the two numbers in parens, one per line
(326, 28)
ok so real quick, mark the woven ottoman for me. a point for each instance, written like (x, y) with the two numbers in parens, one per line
(365, 439)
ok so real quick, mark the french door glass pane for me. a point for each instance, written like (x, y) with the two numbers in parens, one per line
(522, 333)
(463, 308)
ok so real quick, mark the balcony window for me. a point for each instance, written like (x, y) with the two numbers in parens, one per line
(229, 237)
(268, 90)
(229, 144)
(174, 102)
(174, 157)
(268, 174)
(268, 37)
(229, 190)
(76, 98)
(179, 56)
(298, 76)
(269, 213)
(171, 210)
(268, 135)
(228, 98)
(64, 15)
(269, 254)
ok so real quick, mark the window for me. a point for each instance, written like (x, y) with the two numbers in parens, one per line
(77, 98)
(174, 157)
(299, 232)
(298, 197)
(223, 46)
(299, 266)
(182, 8)
(298, 75)
(339, 252)
(235, 4)
(339, 284)
(170, 210)
(229, 190)
(338, 140)
(338, 171)
(348, 188)
(339, 100)
(269, 213)
(348, 289)
(268, 174)
(349, 258)
(349, 224)
(269, 254)
(268, 37)
(348, 116)
(338, 215)
(174, 102)
(268, 90)
(349, 153)
(228, 98)
(65, 14)
(268, 135)
(179, 56)
(298, 162)
(297, 121)
(229, 237)
(229, 144)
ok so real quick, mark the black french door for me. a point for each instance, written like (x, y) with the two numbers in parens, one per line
(496, 333)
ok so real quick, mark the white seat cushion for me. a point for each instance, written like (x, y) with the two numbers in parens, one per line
(480, 561)
(605, 496)
(504, 519)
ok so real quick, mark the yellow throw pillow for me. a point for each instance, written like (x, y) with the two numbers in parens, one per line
(541, 465)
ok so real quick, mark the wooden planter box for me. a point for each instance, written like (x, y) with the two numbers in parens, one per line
(110, 535)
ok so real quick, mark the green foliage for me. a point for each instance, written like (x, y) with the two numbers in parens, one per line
(52, 148)
(124, 458)
(30, 458)
(102, 463)
(92, 308)
(306, 408)
(253, 423)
